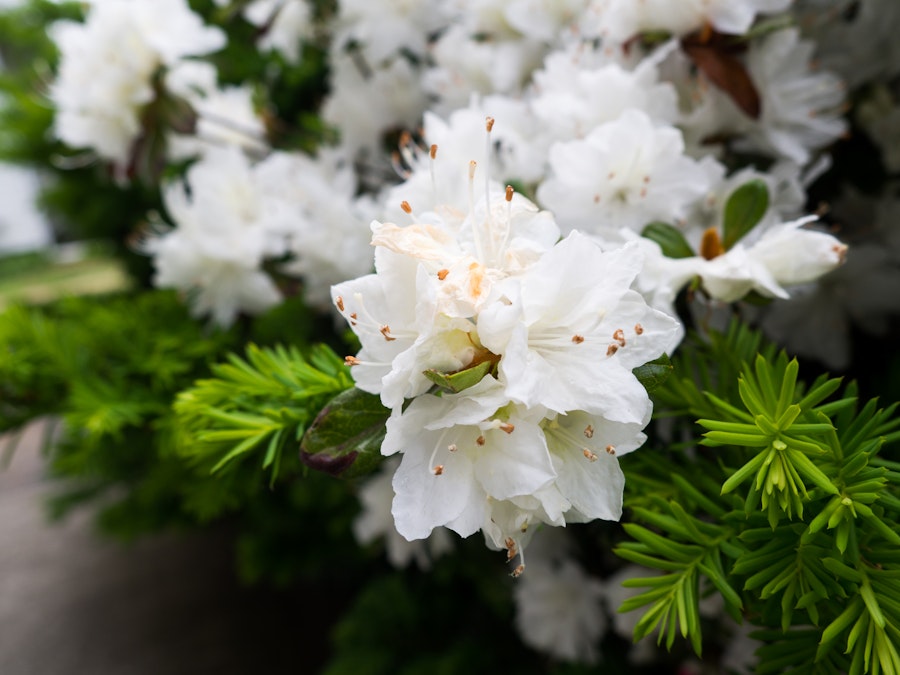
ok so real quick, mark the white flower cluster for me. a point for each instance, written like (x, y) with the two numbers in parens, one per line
(550, 330)
(109, 66)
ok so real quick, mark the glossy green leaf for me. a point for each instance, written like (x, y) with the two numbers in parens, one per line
(653, 374)
(670, 240)
(460, 380)
(744, 209)
(345, 438)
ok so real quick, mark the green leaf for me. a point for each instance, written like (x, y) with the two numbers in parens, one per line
(345, 438)
(744, 209)
(653, 374)
(670, 240)
(460, 380)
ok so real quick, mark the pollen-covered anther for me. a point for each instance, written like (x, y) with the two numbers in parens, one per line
(509, 193)
(386, 332)
(452, 447)
(479, 440)
(351, 361)
(406, 207)
(577, 339)
(610, 450)
(516, 573)
(638, 329)
(442, 274)
(507, 427)
(612, 349)
(432, 151)
(589, 431)
(438, 470)
(619, 336)
(472, 166)
(488, 123)
(339, 303)
(588, 455)
(353, 319)
(511, 549)
(840, 250)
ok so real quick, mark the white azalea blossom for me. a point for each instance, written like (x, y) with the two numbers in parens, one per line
(287, 23)
(623, 174)
(559, 607)
(375, 520)
(622, 19)
(561, 331)
(107, 67)
(801, 107)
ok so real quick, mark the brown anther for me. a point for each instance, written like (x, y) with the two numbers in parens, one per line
(405, 138)
(489, 123)
(472, 165)
(351, 361)
(386, 332)
(507, 427)
(597, 198)
(438, 470)
(612, 174)
(619, 336)
(452, 447)
(511, 549)
(589, 431)
(612, 349)
(638, 329)
(610, 450)
(442, 274)
(711, 245)
(646, 179)
(588, 455)
(479, 440)
(339, 301)
(405, 206)
(516, 573)
(841, 251)
(432, 151)
(509, 193)
(577, 339)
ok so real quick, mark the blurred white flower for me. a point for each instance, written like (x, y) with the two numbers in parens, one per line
(107, 66)
(623, 174)
(375, 520)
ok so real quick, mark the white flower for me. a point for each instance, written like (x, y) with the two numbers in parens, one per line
(221, 237)
(801, 108)
(622, 19)
(573, 95)
(375, 520)
(626, 173)
(559, 609)
(287, 23)
(381, 28)
(572, 331)
(784, 255)
(107, 65)
(465, 65)
(225, 116)
(460, 452)
(364, 103)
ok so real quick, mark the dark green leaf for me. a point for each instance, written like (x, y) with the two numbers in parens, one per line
(744, 209)
(345, 438)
